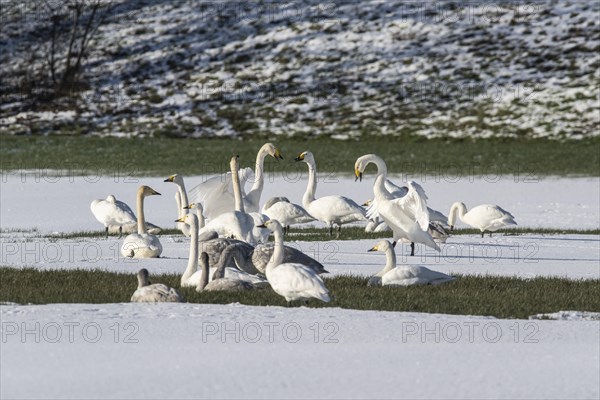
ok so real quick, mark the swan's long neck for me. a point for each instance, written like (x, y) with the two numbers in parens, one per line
(277, 257)
(311, 188)
(200, 213)
(379, 189)
(141, 220)
(237, 190)
(390, 261)
(192, 265)
(254, 194)
(178, 202)
(184, 197)
(204, 272)
(457, 208)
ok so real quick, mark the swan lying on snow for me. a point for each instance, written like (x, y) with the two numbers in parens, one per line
(116, 216)
(293, 281)
(142, 244)
(153, 293)
(486, 217)
(332, 210)
(217, 192)
(403, 275)
(287, 213)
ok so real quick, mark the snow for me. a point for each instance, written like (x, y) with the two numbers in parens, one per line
(236, 351)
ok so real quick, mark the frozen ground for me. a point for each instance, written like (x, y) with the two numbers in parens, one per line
(235, 351)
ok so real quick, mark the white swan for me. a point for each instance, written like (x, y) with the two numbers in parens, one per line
(332, 210)
(181, 200)
(404, 275)
(153, 293)
(486, 217)
(293, 281)
(116, 216)
(286, 212)
(407, 216)
(199, 213)
(142, 244)
(192, 276)
(217, 193)
(219, 283)
(237, 224)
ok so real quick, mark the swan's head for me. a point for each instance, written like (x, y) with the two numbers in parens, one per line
(111, 198)
(142, 277)
(274, 200)
(148, 191)
(189, 219)
(306, 156)
(234, 163)
(174, 178)
(273, 151)
(361, 164)
(194, 206)
(368, 203)
(383, 246)
(271, 225)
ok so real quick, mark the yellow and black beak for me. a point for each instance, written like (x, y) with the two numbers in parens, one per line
(261, 226)
(358, 175)
(170, 179)
(374, 248)
(180, 219)
(278, 155)
(300, 157)
(188, 207)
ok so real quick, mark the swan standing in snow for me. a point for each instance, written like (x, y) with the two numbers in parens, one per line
(332, 210)
(404, 275)
(153, 293)
(486, 217)
(217, 192)
(182, 203)
(192, 276)
(142, 244)
(116, 216)
(286, 212)
(407, 216)
(219, 283)
(237, 224)
(293, 281)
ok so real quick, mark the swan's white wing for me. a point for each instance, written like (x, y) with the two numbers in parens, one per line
(414, 204)
(395, 190)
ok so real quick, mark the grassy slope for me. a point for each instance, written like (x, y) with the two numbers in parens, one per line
(496, 296)
(525, 159)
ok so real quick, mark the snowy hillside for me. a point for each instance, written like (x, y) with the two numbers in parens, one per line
(343, 69)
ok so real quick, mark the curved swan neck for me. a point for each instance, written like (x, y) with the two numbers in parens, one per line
(277, 257)
(184, 198)
(379, 163)
(457, 208)
(311, 188)
(141, 220)
(193, 260)
(237, 190)
(258, 170)
(204, 271)
(201, 220)
(143, 279)
(390, 260)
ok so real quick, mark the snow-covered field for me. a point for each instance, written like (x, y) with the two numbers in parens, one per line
(235, 351)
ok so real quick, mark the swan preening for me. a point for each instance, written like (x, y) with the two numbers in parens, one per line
(333, 210)
(142, 244)
(153, 293)
(486, 217)
(286, 212)
(294, 281)
(116, 216)
(220, 283)
(217, 193)
(407, 216)
(403, 275)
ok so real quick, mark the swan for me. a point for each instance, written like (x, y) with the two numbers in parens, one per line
(332, 210)
(486, 217)
(286, 212)
(237, 224)
(142, 244)
(116, 216)
(181, 200)
(199, 213)
(153, 293)
(217, 193)
(404, 275)
(293, 281)
(407, 216)
(219, 283)
(192, 276)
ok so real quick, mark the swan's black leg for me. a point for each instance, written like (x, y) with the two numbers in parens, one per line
(331, 230)
(394, 244)
(412, 248)
(482, 233)
(339, 231)
(106, 230)
(490, 234)
(120, 232)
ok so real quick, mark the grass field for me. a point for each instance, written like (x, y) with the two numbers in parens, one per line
(501, 297)
(163, 156)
